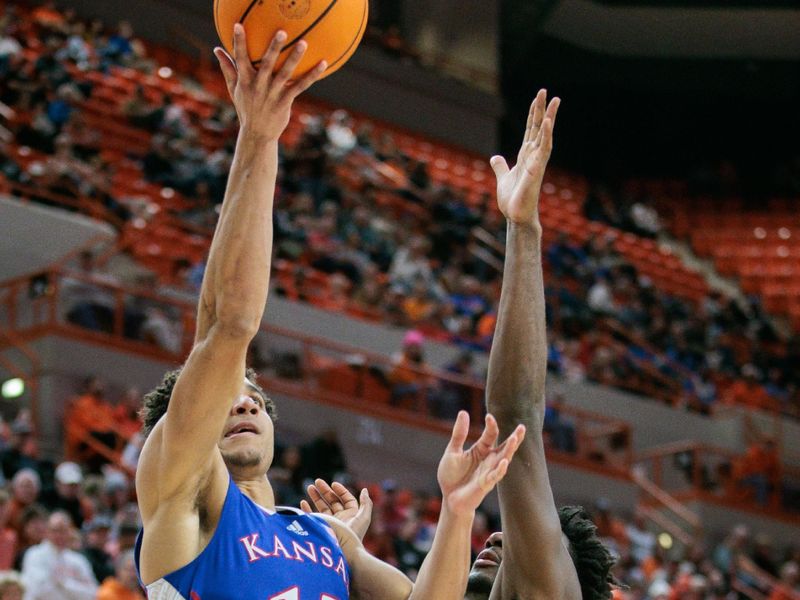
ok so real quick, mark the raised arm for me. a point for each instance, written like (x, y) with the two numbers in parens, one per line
(465, 477)
(534, 557)
(182, 450)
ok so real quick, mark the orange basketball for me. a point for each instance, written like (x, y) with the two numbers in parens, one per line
(332, 28)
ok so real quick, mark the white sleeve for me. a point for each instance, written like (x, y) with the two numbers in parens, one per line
(37, 576)
(82, 585)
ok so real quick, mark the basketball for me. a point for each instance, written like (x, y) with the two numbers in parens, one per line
(332, 28)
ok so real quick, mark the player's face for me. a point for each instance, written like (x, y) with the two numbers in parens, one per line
(248, 438)
(487, 564)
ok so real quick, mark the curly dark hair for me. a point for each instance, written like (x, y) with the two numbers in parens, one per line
(155, 403)
(592, 560)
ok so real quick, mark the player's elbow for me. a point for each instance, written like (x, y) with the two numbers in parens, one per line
(237, 325)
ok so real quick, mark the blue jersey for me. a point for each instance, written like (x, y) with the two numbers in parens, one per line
(257, 554)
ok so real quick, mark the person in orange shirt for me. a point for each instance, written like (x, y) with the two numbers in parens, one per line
(419, 305)
(123, 585)
(90, 414)
(405, 377)
(760, 468)
(126, 414)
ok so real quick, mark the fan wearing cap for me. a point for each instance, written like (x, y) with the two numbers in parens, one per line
(66, 494)
(96, 536)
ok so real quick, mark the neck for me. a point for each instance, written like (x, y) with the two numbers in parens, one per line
(259, 490)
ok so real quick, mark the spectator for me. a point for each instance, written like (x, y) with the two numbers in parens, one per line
(287, 477)
(33, 530)
(25, 487)
(89, 300)
(124, 585)
(324, 457)
(559, 429)
(53, 571)
(11, 587)
(97, 532)
(90, 416)
(8, 537)
(65, 496)
(407, 377)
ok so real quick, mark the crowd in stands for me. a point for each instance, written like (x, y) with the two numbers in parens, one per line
(408, 267)
(67, 530)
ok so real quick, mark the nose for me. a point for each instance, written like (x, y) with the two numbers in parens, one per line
(244, 404)
(495, 540)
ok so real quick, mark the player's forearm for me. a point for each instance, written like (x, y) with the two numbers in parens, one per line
(445, 570)
(235, 285)
(518, 359)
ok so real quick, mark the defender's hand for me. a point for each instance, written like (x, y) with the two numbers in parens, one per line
(518, 188)
(466, 477)
(336, 500)
(263, 99)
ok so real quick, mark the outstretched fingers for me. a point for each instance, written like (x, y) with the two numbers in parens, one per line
(306, 81)
(319, 502)
(270, 57)
(535, 116)
(460, 432)
(228, 68)
(284, 74)
(488, 437)
(240, 56)
(492, 477)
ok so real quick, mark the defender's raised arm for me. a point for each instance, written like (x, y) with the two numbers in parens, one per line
(536, 563)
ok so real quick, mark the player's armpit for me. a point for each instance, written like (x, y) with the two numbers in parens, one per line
(182, 449)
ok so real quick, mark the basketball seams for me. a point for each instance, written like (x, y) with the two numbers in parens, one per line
(361, 29)
(299, 36)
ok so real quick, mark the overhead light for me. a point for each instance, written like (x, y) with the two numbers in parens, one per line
(12, 388)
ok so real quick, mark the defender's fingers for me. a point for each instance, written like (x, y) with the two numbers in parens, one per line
(489, 435)
(495, 475)
(365, 500)
(512, 443)
(536, 115)
(331, 497)
(267, 63)
(345, 495)
(307, 80)
(286, 71)
(460, 432)
(552, 111)
(228, 69)
(305, 506)
(499, 166)
(318, 500)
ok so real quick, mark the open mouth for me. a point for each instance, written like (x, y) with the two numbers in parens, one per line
(241, 429)
(487, 558)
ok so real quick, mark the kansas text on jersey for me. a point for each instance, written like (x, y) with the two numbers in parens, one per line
(256, 554)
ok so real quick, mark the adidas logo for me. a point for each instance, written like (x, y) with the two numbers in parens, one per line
(295, 527)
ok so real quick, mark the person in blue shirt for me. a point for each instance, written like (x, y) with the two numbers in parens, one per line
(211, 528)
